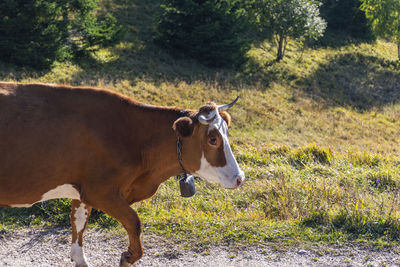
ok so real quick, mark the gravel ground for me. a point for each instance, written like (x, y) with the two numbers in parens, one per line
(50, 247)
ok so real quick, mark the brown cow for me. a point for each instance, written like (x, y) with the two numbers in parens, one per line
(105, 151)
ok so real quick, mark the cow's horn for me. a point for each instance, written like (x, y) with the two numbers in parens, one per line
(227, 106)
(207, 119)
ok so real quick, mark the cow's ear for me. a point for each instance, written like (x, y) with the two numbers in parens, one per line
(183, 127)
(227, 118)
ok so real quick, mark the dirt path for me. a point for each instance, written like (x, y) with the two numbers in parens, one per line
(45, 248)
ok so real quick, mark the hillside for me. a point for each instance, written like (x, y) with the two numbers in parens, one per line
(317, 135)
(342, 97)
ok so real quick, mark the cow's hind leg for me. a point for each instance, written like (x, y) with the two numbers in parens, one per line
(120, 210)
(79, 217)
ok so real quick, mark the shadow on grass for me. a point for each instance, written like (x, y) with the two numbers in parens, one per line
(338, 38)
(355, 80)
(354, 225)
(13, 72)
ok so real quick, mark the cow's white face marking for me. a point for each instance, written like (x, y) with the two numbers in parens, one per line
(227, 175)
(61, 191)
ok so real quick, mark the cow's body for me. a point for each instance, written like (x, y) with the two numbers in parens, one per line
(90, 139)
(99, 148)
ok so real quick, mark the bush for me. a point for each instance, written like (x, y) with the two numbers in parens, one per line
(310, 154)
(31, 32)
(381, 179)
(209, 31)
(345, 18)
(384, 17)
(366, 159)
(90, 30)
(37, 32)
(297, 19)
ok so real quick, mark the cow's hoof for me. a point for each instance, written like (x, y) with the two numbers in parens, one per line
(124, 260)
(83, 265)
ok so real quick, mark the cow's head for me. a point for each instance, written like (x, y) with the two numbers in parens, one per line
(205, 146)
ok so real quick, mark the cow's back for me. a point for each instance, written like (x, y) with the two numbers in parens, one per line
(51, 135)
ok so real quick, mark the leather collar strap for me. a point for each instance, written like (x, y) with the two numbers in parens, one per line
(179, 152)
(186, 182)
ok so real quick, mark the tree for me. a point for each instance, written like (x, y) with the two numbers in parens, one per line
(385, 18)
(210, 31)
(297, 19)
(30, 32)
(346, 18)
(88, 29)
(37, 32)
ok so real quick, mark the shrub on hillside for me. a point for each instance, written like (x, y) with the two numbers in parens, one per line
(210, 31)
(365, 159)
(37, 32)
(297, 19)
(31, 32)
(384, 17)
(345, 17)
(381, 179)
(310, 154)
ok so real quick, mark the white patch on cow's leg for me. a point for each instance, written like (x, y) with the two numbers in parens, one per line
(61, 191)
(78, 256)
(80, 217)
(81, 214)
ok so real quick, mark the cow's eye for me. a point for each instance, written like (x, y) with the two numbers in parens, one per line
(213, 141)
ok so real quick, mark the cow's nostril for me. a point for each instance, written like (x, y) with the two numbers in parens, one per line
(239, 181)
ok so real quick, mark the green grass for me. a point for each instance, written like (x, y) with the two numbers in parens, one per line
(316, 134)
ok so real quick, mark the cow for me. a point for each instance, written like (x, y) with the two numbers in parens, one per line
(104, 151)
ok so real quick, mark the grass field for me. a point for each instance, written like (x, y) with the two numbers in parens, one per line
(317, 135)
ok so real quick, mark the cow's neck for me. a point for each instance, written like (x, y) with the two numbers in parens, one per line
(160, 153)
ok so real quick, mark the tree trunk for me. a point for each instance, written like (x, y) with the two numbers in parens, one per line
(398, 50)
(284, 46)
(280, 52)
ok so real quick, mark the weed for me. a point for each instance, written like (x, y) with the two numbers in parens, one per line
(365, 159)
(381, 179)
(310, 153)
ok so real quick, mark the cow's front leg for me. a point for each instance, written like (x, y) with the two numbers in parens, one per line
(79, 217)
(119, 209)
